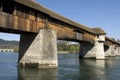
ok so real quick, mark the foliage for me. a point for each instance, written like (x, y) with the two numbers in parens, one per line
(67, 46)
(9, 44)
(61, 45)
(16, 49)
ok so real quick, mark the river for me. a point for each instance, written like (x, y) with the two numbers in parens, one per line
(70, 68)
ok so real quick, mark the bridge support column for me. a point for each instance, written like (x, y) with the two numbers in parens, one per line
(109, 51)
(118, 50)
(88, 50)
(113, 50)
(38, 50)
(100, 50)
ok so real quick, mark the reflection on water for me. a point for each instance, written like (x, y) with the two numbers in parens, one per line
(92, 70)
(37, 74)
(70, 68)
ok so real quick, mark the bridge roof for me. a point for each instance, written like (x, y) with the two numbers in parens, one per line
(34, 5)
(98, 31)
(112, 40)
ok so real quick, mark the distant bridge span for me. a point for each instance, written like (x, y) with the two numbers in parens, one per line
(40, 27)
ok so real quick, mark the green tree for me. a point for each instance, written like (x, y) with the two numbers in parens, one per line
(16, 49)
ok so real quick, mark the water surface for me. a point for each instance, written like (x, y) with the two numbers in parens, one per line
(70, 68)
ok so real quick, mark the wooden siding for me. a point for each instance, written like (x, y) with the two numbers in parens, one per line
(88, 37)
(62, 31)
(29, 20)
(107, 42)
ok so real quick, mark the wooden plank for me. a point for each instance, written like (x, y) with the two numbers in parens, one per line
(18, 11)
(40, 26)
(28, 25)
(1, 22)
(88, 37)
(31, 25)
(19, 23)
(15, 22)
(10, 21)
(34, 26)
(32, 15)
(15, 11)
(4, 20)
(24, 24)
(40, 18)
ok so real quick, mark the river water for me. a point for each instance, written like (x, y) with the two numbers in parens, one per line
(70, 68)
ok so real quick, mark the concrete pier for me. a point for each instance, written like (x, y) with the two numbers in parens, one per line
(88, 50)
(100, 50)
(38, 50)
(118, 50)
(111, 51)
(107, 50)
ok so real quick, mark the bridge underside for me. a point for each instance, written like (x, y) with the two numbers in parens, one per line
(39, 50)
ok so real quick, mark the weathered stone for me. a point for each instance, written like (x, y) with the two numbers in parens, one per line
(108, 51)
(112, 51)
(100, 50)
(88, 50)
(118, 50)
(38, 50)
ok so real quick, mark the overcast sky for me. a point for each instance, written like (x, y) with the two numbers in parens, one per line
(91, 13)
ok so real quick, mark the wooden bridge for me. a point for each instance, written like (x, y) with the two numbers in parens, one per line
(40, 27)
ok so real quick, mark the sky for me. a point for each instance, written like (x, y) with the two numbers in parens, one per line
(91, 13)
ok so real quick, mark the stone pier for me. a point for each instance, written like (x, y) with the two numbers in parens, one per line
(38, 50)
(111, 51)
(100, 50)
(88, 50)
(107, 50)
(118, 50)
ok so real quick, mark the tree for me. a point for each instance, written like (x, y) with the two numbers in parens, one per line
(67, 46)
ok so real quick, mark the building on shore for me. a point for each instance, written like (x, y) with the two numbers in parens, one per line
(6, 50)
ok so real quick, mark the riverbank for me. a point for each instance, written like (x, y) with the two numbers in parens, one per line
(68, 52)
